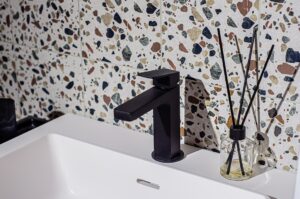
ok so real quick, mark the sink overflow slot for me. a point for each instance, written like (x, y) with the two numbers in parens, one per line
(148, 184)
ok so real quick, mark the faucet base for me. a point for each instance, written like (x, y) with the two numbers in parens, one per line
(179, 156)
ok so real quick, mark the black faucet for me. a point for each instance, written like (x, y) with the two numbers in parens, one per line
(163, 98)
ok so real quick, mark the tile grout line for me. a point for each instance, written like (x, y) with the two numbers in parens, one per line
(161, 33)
(12, 57)
(81, 61)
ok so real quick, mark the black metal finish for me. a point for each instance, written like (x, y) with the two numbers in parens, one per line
(23, 126)
(163, 78)
(29, 123)
(226, 77)
(247, 74)
(237, 133)
(163, 99)
(8, 123)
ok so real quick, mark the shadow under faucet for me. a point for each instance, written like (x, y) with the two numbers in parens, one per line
(163, 99)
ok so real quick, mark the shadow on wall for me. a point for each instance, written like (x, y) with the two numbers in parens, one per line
(199, 130)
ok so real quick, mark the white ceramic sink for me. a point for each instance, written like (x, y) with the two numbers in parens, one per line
(57, 167)
(78, 164)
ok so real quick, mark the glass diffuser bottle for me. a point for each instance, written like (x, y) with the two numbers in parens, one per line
(237, 155)
(237, 150)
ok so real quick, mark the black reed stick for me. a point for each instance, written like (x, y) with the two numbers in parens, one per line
(258, 83)
(283, 98)
(226, 76)
(230, 154)
(230, 157)
(258, 95)
(240, 158)
(246, 75)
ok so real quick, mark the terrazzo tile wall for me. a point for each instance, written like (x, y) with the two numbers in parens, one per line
(193, 47)
(83, 56)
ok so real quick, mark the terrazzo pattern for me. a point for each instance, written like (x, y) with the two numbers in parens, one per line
(8, 75)
(31, 78)
(199, 124)
(44, 82)
(121, 32)
(64, 82)
(49, 25)
(5, 21)
(107, 86)
(83, 57)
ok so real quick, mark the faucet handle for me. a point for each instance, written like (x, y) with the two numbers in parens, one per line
(162, 78)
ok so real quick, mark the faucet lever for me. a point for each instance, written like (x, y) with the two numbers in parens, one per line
(162, 78)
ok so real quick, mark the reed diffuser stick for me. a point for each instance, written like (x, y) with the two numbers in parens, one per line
(230, 157)
(229, 160)
(226, 76)
(258, 83)
(240, 158)
(258, 95)
(283, 98)
(246, 75)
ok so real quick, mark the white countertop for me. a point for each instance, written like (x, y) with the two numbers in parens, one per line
(275, 183)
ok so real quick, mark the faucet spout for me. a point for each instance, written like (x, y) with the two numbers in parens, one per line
(139, 105)
(163, 99)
